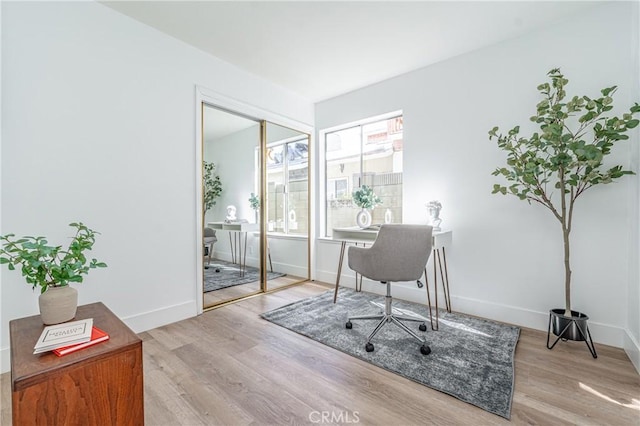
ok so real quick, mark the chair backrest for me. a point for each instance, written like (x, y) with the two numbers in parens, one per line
(209, 236)
(399, 253)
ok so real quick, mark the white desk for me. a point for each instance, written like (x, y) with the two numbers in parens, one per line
(440, 239)
(234, 226)
(238, 251)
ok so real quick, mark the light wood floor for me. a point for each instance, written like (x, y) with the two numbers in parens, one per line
(229, 367)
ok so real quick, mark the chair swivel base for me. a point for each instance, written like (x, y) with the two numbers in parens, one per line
(389, 316)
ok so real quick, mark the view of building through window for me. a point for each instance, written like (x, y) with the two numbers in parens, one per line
(367, 154)
(287, 187)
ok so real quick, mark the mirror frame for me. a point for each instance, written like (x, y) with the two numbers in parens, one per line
(217, 100)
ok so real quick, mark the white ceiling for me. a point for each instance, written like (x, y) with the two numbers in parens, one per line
(323, 49)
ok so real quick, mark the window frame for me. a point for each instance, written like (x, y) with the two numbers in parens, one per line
(285, 171)
(322, 162)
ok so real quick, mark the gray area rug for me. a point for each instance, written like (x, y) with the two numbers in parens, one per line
(229, 275)
(471, 358)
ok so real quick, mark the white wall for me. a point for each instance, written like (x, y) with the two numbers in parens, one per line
(234, 156)
(506, 258)
(99, 126)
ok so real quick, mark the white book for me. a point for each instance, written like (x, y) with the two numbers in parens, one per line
(65, 334)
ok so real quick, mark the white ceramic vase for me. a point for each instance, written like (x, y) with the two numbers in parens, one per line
(388, 216)
(363, 218)
(58, 304)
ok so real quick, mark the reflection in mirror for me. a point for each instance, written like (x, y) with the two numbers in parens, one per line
(231, 230)
(287, 205)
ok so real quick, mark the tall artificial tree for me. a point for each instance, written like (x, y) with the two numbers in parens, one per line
(557, 165)
(212, 186)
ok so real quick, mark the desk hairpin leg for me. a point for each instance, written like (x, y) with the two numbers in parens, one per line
(359, 276)
(438, 261)
(243, 263)
(238, 238)
(232, 246)
(444, 276)
(238, 251)
(434, 326)
(342, 247)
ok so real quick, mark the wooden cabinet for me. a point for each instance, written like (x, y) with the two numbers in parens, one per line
(98, 385)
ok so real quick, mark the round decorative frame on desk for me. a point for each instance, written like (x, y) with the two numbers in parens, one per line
(363, 218)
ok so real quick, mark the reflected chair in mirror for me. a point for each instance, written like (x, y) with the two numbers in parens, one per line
(399, 253)
(209, 238)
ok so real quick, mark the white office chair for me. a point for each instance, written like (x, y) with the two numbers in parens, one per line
(399, 253)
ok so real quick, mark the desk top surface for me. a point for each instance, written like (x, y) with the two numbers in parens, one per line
(234, 226)
(357, 234)
(28, 369)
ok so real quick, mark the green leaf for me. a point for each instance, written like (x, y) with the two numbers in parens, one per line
(607, 91)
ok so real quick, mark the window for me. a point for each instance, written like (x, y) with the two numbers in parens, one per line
(287, 186)
(337, 189)
(365, 153)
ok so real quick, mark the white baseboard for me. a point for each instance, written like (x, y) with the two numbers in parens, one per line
(285, 268)
(5, 364)
(138, 323)
(605, 334)
(159, 317)
(632, 348)
(601, 333)
(288, 269)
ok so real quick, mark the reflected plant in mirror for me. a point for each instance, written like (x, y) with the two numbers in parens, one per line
(254, 202)
(212, 186)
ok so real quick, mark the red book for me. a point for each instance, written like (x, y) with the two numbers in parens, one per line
(97, 336)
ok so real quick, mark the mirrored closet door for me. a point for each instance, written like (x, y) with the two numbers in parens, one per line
(287, 205)
(255, 196)
(231, 229)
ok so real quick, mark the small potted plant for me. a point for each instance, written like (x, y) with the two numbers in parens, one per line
(52, 269)
(558, 164)
(254, 202)
(366, 199)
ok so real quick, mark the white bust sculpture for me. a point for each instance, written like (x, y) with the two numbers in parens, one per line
(231, 214)
(434, 208)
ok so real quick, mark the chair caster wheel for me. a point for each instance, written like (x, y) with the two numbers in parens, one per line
(349, 325)
(217, 269)
(425, 350)
(369, 347)
(422, 327)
